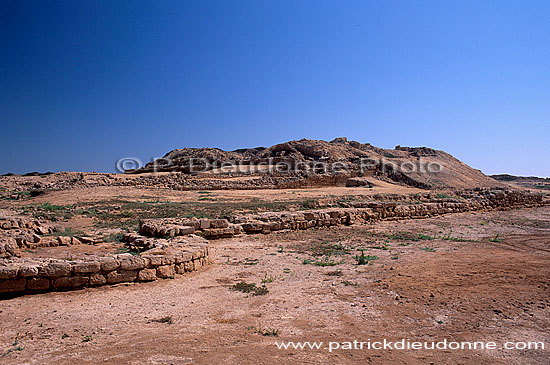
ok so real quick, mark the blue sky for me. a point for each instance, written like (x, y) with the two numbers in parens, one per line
(84, 83)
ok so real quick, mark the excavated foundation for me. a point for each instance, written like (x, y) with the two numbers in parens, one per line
(166, 248)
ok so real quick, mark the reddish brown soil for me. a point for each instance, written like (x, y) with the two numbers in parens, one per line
(99, 193)
(474, 290)
(72, 252)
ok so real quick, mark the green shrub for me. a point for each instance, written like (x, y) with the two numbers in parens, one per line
(364, 259)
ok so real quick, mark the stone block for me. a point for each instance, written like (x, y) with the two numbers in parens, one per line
(213, 233)
(252, 227)
(197, 254)
(188, 266)
(13, 285)
(97, 279)
(28, 270)
(180, 268)
(185, 230)
(8, 247)
(64, 241)
(204, 223)
(115, 277)
(87, 240)
(154, 260)
(70, 282)
(55, 269)
(219, 223)
(166, 271)
(109, 263)
(131, 262)
(86, 267)
(147, 275)
(42, 230)
(8, 272)
(184, 257)
(38, 284)
(237, 229)
(197, 263)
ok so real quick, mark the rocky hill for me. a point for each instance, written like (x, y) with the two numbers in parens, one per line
(533, 183)
(413, 166)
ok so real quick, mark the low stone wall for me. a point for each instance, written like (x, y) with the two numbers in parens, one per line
(376, 211)
(165, 260)
(424, 206)
(172, 227)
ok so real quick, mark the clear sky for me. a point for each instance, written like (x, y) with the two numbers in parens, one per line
(84, 83)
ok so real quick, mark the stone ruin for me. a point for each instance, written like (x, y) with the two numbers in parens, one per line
(165, 248)
(165, 259)
(159, 259)
(416, 207)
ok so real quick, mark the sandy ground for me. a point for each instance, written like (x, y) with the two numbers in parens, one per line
(92, 194)
(426, 290)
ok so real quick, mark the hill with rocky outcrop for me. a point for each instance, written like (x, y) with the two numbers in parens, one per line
(534, 183)
(413, 166)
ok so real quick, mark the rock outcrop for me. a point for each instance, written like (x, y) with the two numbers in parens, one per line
(415, 166)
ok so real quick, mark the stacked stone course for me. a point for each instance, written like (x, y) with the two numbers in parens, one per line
(426, 206)
(164, 261)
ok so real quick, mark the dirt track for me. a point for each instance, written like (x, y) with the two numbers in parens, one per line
(462, 291)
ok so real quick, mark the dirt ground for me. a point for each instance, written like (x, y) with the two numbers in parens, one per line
(91, 194)
(462, 277)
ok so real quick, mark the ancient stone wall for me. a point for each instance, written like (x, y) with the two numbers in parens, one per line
(163, 261)
(364, 212)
